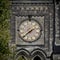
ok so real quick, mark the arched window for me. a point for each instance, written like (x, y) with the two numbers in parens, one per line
(37, 58)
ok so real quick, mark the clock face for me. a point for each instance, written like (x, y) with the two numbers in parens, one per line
(29, 30)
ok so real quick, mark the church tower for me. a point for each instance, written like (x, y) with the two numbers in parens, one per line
(33, 28)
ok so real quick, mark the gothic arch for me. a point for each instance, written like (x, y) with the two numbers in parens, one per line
(22, 52)
(38, 53)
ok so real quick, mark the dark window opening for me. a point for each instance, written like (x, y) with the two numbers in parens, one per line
(37, 58)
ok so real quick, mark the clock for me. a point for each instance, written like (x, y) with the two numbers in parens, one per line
(30, 30)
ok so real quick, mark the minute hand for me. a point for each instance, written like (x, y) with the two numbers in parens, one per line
(28, 31)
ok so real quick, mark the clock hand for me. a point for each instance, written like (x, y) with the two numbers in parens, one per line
(28, 31)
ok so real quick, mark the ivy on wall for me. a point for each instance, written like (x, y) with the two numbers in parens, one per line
(4, 29)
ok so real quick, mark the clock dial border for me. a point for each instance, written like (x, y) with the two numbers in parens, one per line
(39, 26)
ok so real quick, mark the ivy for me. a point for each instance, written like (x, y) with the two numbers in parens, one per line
(4, 29)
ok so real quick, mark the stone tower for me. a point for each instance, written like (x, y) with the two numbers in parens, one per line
(32, 28)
